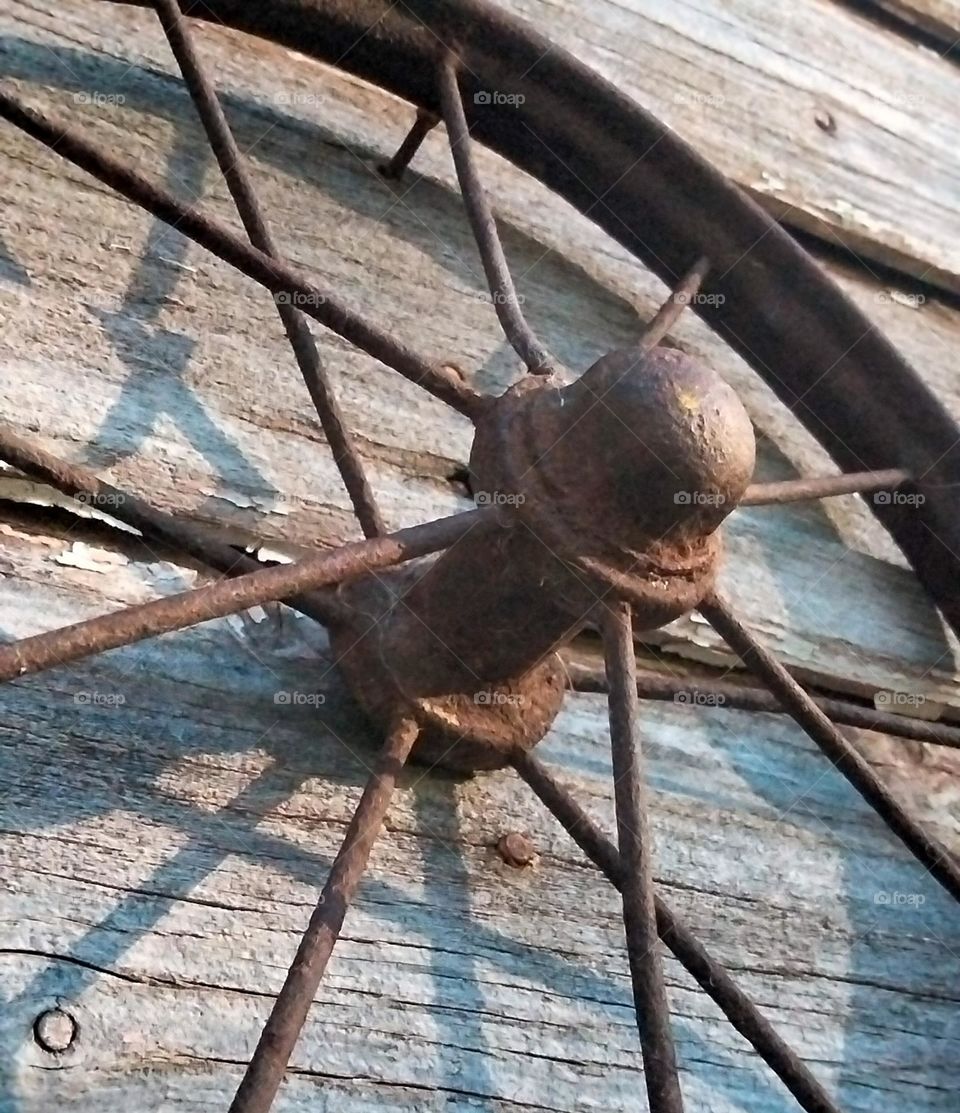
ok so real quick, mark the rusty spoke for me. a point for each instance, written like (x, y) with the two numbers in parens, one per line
(174, 612)
(199, 543)
(232, 166)
(502, 291)
(669, 313)
(931, 853)
(420, 129)
(281, 279)
(278, 1039)
(824, 487)
(709, 974)
(699, 692)
(636, 853)
(437, 646)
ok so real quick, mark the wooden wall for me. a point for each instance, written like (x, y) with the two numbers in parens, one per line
(166, 819)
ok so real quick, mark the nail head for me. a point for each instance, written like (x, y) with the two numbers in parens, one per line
(55, 1031)
(516, 849)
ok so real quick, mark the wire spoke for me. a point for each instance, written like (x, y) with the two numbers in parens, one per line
(698, 692)
(636, 853)
(420, 129)
(502, 291)
(669, 313)
(199, 543)
(278, 1039)
(928, 850)
(709, 974)
(647, 919)
(232, 166)
(824, 487)
(174, 612)
(275, 274)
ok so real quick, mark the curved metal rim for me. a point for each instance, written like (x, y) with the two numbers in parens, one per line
(668, 206)
(645, 918)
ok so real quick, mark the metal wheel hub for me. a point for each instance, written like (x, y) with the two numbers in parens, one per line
(613, 486)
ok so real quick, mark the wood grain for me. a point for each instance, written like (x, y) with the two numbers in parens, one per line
(170, 810)
(174, 370)
(163, 863)
(830, 141)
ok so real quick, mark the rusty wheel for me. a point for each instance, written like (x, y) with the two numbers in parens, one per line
(600, 495)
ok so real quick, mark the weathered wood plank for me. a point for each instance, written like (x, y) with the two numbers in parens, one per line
(176, 372)
(829, 142)
(830, 145)
(159, 867)
(160, 855)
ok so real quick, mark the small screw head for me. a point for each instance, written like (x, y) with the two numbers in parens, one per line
(825, 121)
(516, 849)
(55, 1031)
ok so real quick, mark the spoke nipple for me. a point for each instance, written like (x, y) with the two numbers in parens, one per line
(55, 1031)
(516, 849)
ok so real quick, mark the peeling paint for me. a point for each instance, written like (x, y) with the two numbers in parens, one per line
(18, 489)
(91, 558)
(768, 183)
(275, 504)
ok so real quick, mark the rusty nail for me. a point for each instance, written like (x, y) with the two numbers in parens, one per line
(516, 849)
